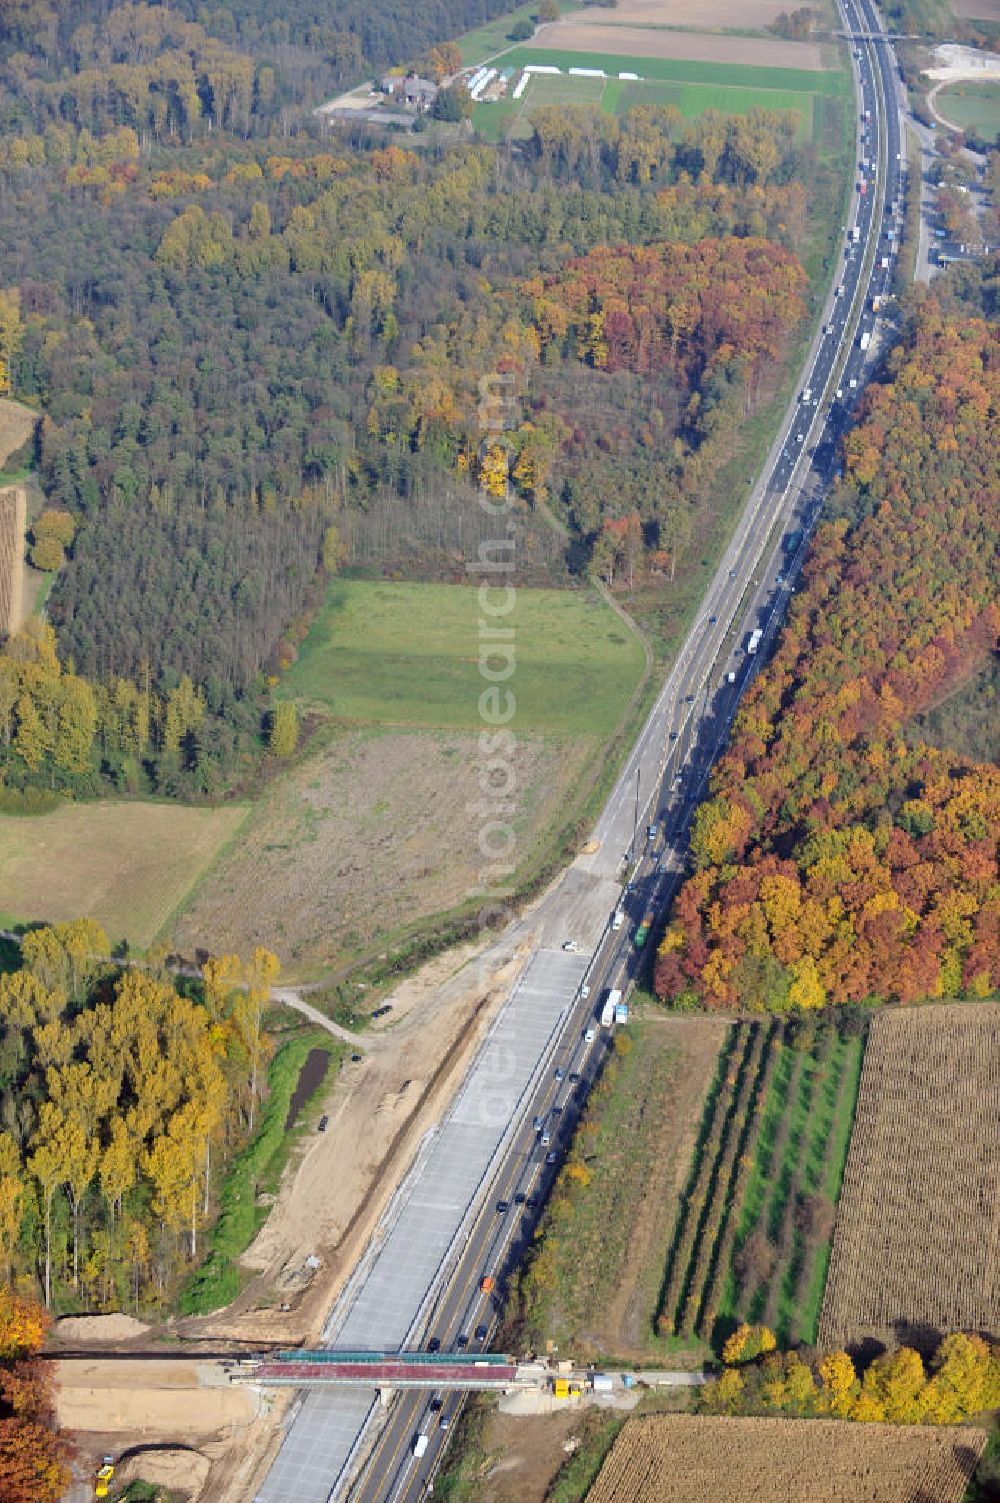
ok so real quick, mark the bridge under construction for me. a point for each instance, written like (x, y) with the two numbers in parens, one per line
(326, 1368)
(441, 1372)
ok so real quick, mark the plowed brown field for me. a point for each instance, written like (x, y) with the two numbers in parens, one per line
(681, 1458)
(916, 1251)
(745, 14)
(976, 10)
(633, 42)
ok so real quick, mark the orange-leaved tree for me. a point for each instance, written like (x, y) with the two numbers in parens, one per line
(33, 1455)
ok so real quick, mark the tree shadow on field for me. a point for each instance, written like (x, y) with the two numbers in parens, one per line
(923, 1337)
(10, 957)
(723, 1328)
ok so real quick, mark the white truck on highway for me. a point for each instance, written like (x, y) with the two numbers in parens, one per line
(420, 1445)
(608, 1010)
(755, 640)
(865, 339)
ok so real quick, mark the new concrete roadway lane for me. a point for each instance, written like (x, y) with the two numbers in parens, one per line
(467, 1209)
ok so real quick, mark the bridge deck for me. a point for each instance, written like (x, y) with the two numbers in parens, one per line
(467, 1375)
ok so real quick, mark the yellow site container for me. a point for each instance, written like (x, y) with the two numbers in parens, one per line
(560, 1388)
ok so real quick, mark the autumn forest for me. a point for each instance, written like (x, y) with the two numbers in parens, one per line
(840, 858)
(242, 343)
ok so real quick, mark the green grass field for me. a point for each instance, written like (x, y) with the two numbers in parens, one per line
(754, 1240)
(973, 106)
(799, 1158)
(127, 865)
(673, 70)
(408, 654)
(692, 87)
(694, 99)
(559, 89)
(930, 17)
(476, 46)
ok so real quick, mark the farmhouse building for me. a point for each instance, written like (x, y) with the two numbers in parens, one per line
(412, 91)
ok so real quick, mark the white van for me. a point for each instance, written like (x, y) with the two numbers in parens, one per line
(420, 1445)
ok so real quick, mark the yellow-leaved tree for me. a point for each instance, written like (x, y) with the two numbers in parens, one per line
(11, 333)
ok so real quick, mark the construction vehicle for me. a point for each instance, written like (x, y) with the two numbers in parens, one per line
(104, 1475)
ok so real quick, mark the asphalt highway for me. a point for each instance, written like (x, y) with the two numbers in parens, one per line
(665, 776)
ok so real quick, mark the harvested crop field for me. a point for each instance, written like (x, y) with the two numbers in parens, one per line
(17, 423)
(916, 1250)
(372, 831)
(618, 41)
(125, 865)
(685, 1459)
(977, 10)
